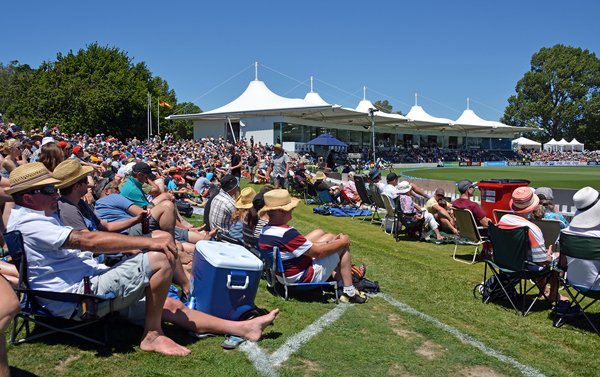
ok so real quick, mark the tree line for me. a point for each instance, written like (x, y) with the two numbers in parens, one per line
(96, 90)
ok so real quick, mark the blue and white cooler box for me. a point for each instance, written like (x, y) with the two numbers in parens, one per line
(224, 279)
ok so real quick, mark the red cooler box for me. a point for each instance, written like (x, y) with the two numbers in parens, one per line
(496, 194)
(224, 279)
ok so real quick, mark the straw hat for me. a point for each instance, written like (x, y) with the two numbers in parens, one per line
(115, 153)
(587, 202)
(244, 201)
(403, 187)
(172, 169)
(69, 172)
(277, 146)
(28, 176)
(320, 176)
(523, 200)
(278, 199)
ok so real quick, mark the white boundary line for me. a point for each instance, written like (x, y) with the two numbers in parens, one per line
(265, 364)
(467, 339)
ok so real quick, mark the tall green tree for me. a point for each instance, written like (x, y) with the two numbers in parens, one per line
(98, 89)
(561, 94)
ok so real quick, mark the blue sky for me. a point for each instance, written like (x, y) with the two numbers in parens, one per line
(446, 51)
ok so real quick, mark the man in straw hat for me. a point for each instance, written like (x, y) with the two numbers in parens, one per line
(313, 258)
(280, 166)
(523, 202)
(56, 263)
(586, 223)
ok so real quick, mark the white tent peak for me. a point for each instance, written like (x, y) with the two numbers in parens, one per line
(364, 106)
(563, 142)
(469, 118)
(314, 97)
(258, 97)
(418, 115)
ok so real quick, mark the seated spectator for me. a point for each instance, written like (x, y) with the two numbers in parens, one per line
(56, 263)
(390, 189)
(350, 188)
(522, 203)
(242, 205)
(546, 209)
(412, 212)
(222, 205)
(320, 185)
(8, 310)
(466, 189)
(301, 176)
(262, 177)
(437, 207)
(585, 274)
(314, 258)
(254, 222)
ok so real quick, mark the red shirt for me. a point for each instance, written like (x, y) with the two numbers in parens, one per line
(471, 206)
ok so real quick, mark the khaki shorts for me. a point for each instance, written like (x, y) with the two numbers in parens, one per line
(324, 267)
(127, 281)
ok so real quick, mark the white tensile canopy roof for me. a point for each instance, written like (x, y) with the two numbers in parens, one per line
(471, 123)
(525, 142)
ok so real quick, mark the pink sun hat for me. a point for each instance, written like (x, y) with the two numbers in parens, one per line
(523, 200)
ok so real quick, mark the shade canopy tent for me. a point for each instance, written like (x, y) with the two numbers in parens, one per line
(524, 142)
(422, 121)
(576, 146)
(326, 140)
(562, 144)
(551, 145)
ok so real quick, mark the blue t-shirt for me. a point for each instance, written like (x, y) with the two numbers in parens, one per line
(113, 208)
(172, 185)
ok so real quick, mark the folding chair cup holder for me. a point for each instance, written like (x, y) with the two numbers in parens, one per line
(33, 312)
(511, 247)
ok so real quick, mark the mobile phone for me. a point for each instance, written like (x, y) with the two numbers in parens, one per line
(232, 342)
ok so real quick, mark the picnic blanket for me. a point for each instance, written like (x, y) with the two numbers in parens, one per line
(341, 212)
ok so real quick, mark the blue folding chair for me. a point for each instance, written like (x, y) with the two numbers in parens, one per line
(281, 278)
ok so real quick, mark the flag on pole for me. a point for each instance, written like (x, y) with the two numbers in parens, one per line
(163, 104)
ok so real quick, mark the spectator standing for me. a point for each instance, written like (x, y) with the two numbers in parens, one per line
(280, 167)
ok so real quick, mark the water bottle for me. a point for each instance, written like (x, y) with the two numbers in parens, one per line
(145, 222)
(88, 305)
(191, 303)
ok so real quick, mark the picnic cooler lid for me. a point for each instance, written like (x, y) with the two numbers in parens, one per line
(226, 255)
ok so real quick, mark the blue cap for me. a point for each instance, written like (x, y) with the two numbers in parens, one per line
(374, 173)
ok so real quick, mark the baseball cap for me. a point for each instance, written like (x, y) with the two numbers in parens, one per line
(464, 185)
(392, 176)
(76, 149)
(439, 192)
(142, 167)
(544, 193)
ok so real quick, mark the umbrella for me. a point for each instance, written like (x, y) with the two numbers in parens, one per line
(327, 140)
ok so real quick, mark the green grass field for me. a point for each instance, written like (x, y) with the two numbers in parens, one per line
(395, 335)
(548, 176)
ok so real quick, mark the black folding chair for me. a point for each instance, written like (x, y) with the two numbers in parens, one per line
(410, 227)
(365, 198)
(32, 311)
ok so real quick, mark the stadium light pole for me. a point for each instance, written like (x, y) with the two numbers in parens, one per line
(372, 113)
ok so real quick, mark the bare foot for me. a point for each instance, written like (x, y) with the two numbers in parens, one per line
(159, 343)
(185, 258)
(255, 326)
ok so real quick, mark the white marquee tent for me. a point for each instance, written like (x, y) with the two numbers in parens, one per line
(524, 142)
(576, 146)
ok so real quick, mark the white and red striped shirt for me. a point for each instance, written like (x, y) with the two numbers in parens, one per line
(536, 238)
(292, 246)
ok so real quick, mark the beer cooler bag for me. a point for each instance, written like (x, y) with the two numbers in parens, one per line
(224, 279)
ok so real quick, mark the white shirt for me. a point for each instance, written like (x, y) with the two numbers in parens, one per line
(390, 191)
(583, 273)
(50, 268)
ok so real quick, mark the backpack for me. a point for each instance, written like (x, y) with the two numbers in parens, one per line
(491, 288)
(362, 284)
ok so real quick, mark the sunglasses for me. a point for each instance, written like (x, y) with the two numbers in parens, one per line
(48, 190)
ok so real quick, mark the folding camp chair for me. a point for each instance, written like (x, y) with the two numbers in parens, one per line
(312, 197)
(586, 248)
(408, 227)
(379, 205)
(281, 278)
(468, 231)
(498, 213)
(364, 196)
(391, 214)
(32, 311)
(268, 270)
(327, 199)
(297, 189)
(511, 247)
(348, 200)
(551, 230)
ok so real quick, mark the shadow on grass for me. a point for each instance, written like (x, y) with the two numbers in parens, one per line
(540, 305)
(304, 295)
(16, 372)
(579, 322)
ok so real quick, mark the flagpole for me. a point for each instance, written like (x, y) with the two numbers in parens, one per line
(158, 119)
(148, 113)
(150, 128)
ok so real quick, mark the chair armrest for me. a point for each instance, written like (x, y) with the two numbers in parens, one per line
(64, 297)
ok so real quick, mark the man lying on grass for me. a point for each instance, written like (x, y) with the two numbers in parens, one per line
(310, 259)
(56, 262)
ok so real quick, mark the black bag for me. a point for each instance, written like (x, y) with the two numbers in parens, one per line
(184, 209)
(491, 287)
(362, 284)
